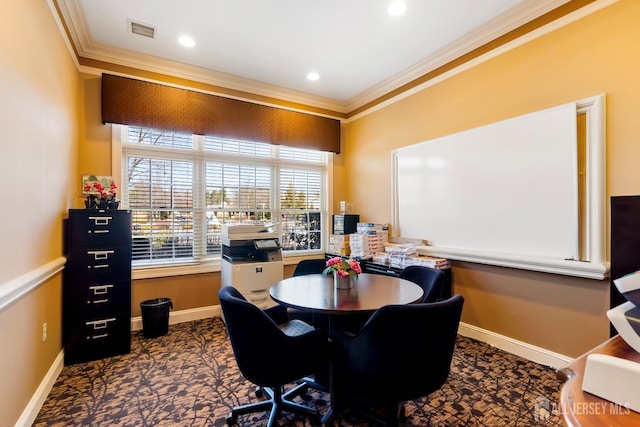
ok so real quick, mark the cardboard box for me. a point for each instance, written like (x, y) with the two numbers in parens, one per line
(339, 238)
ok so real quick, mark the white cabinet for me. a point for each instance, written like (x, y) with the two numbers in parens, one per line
(253, 279)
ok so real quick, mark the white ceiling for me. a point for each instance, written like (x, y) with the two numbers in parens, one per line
(267, 47)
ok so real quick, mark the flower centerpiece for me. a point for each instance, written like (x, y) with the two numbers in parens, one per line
(344, 271)
(100, 193)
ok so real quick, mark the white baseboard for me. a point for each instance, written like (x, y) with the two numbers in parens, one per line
(183, 316)
(510, 345)
(513, 346)
(37, 400)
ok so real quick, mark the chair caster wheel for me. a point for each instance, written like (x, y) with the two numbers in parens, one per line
(259, 392)
(231, 420)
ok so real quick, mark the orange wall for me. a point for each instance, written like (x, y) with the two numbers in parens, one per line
(39, 128)
(189, 291)
(597, 54)
(94, 153)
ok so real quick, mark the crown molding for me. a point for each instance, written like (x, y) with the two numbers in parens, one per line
(532, 35)
(73, 17)
(77, 30)
(183, 71)
(491, 30)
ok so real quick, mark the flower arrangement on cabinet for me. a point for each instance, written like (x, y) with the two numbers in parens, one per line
(343, 267)
(100, 192)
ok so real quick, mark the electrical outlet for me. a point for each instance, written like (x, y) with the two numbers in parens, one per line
(44, 331)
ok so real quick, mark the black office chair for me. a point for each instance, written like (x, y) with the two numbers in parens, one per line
(271, 355)
(305, 267)
(310, 266)
(402, 353)
(431, 280)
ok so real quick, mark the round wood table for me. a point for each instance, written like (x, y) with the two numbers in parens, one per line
(316, 292)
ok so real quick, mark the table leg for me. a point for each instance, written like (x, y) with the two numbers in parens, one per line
(335, 404)
(336, 401)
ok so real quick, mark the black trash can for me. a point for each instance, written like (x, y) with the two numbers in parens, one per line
(155, 317)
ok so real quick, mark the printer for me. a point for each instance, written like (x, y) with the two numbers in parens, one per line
(251, 261)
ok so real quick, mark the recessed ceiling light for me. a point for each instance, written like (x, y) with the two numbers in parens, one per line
(186, 41)
(313, 76)
(397, 8)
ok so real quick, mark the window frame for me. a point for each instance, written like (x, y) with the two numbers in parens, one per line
(213, 263)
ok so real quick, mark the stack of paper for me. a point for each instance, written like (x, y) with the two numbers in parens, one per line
(245, 231)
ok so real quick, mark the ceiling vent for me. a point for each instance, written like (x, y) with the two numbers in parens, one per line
(143, 30)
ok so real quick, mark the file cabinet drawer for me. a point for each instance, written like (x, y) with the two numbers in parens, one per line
(96, 338)
(100, 299)
(96, 265)
(100, 228)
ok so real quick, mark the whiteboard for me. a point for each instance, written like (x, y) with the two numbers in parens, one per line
(509, 187)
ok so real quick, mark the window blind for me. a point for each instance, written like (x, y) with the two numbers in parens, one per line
(182, 188)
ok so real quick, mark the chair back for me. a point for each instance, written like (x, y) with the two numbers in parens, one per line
(431, 280)
(310, 266)
(403, 352)
(265, 354)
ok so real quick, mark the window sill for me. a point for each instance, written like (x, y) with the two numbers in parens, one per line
(175, 270)
(203, 268)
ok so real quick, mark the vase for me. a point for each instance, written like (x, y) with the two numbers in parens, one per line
(90, 203)
(341, 282)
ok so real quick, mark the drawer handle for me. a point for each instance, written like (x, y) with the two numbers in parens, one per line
(99, 266)
(101, 220)
(98, 255)
(98, 231)
(100, 301)
(100, 290)
(100, 324)
(95, 337)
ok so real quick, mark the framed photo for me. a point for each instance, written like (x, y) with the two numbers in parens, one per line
(88, 181)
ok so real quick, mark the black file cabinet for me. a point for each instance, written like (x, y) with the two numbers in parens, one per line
(97, 285)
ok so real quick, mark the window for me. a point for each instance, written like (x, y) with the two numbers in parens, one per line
(183, 188)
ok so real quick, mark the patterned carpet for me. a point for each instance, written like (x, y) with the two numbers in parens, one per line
(189, 377)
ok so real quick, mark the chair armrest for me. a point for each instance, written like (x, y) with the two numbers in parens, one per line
(342, 337)
(277, 313)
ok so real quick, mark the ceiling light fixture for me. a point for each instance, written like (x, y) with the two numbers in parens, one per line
(313, 76)
(397, 8)
(186, 41)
